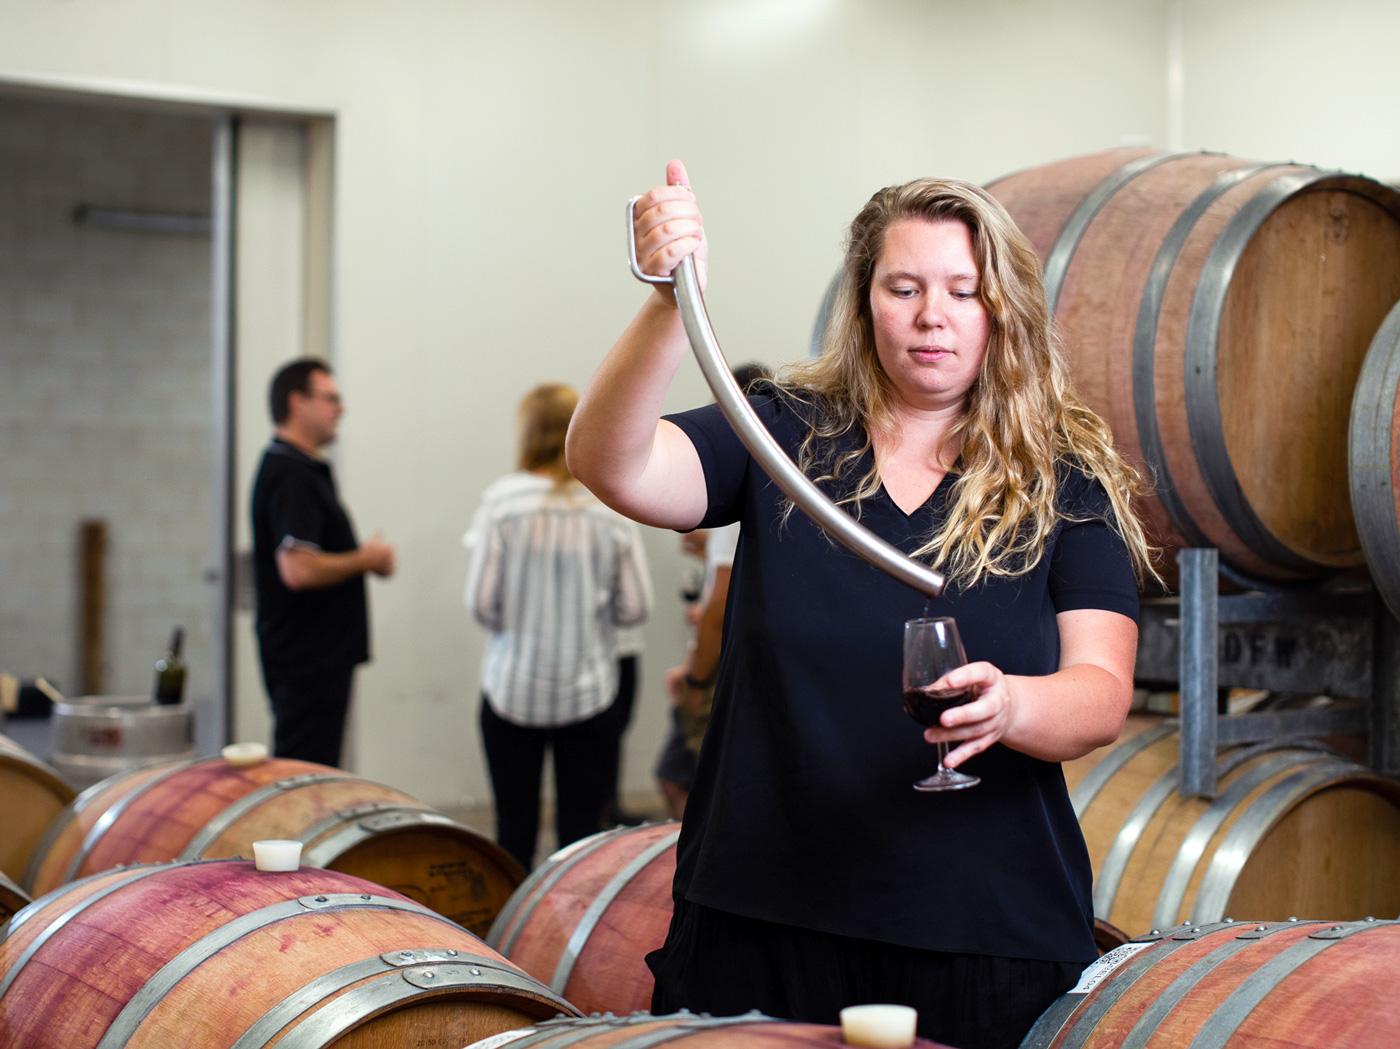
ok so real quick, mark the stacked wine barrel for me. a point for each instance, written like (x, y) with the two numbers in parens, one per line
(140, 937)
(1216, 312)
(32, 795)
(1296, 829)
(1374, 454)
(211, 808)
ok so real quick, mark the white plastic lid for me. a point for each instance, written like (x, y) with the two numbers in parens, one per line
(879, 1026)
(241, 755)
(277, 855)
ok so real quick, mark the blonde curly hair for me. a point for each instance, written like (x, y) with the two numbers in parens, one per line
(1022, 418)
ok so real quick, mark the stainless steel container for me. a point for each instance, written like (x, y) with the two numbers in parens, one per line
(99, 736)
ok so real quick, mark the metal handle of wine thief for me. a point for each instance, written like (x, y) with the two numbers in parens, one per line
(791, 481)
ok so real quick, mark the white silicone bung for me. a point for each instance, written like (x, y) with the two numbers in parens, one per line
(879, 1026)
(242, 755)
(277, 855)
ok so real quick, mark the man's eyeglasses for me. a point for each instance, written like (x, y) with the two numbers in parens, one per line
(333, 398)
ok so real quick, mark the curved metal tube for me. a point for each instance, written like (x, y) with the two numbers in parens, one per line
(791, 481)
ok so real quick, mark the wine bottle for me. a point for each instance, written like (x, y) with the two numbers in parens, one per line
(170, 671)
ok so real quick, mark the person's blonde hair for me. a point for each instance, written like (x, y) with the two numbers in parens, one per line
(1022, 419)
(543, 419)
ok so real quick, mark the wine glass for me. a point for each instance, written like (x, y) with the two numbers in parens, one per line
(932, 647)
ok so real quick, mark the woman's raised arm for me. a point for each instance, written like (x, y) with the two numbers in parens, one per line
(618, 446)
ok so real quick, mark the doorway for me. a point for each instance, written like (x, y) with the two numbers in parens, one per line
(141, 239)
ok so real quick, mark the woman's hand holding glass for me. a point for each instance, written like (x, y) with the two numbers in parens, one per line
(974, 726)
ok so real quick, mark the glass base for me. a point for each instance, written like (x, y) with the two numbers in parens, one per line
(947, 779)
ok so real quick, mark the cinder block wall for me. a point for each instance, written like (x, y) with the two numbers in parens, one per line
(105, 390)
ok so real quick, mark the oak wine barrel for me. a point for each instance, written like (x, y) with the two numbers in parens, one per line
(12, 899)
(1216, 311)
(1373, 451)
(585, 919)
(749, 1031)
(32, 796)
(1295, 829)
(218, 954)
(210, 808)
(1236, 985)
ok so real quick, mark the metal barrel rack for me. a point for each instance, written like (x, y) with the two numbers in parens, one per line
(1341, 642)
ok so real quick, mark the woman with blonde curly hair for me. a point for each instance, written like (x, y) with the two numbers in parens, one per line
(809, 875)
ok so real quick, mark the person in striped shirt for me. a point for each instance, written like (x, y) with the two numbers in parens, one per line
(553, 574)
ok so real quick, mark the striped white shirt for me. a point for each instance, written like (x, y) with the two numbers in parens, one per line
(553, 574)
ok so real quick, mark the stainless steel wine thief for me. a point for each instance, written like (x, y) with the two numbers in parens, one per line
(793, 483)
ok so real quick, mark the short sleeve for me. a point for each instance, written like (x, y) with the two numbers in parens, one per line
(723, 457)
(1090, 566)
(294, 515)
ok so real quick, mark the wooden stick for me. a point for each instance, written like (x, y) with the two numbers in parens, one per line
(93, 604)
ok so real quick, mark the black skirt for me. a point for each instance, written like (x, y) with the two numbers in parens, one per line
(723, 964)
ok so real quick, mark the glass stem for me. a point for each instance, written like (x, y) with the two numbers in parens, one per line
(942, 753)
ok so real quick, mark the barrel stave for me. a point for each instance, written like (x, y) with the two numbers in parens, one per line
(212, 809)
(447, 867)
(1178, 995)
(1315, 281)
(555, 915)
(254, 974)
(1293, 807)
(614, 960)
(1307, 985)
(1374, 459)
(34, 796)
(1340, 843)
(1319, 1004)
(76, 828)
(297, 805)
(584, 921)
(1109, 274)
(1043, 206)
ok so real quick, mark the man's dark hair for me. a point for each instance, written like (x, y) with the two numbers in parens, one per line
(293, 377)
(747, 375)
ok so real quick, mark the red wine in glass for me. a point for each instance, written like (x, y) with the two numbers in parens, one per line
(927, 707)
(932, 648)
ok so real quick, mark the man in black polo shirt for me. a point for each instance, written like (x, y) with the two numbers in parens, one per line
(312, 622)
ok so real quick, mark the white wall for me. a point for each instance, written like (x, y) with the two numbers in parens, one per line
(484, 152)
(105, 393)
(1294, 80)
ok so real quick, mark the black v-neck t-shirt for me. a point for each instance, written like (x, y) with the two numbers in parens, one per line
(803, 811)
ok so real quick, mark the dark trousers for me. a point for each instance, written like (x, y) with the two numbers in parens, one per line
(621, 709)
(725, 964)
(309, 714)
(583, 771)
